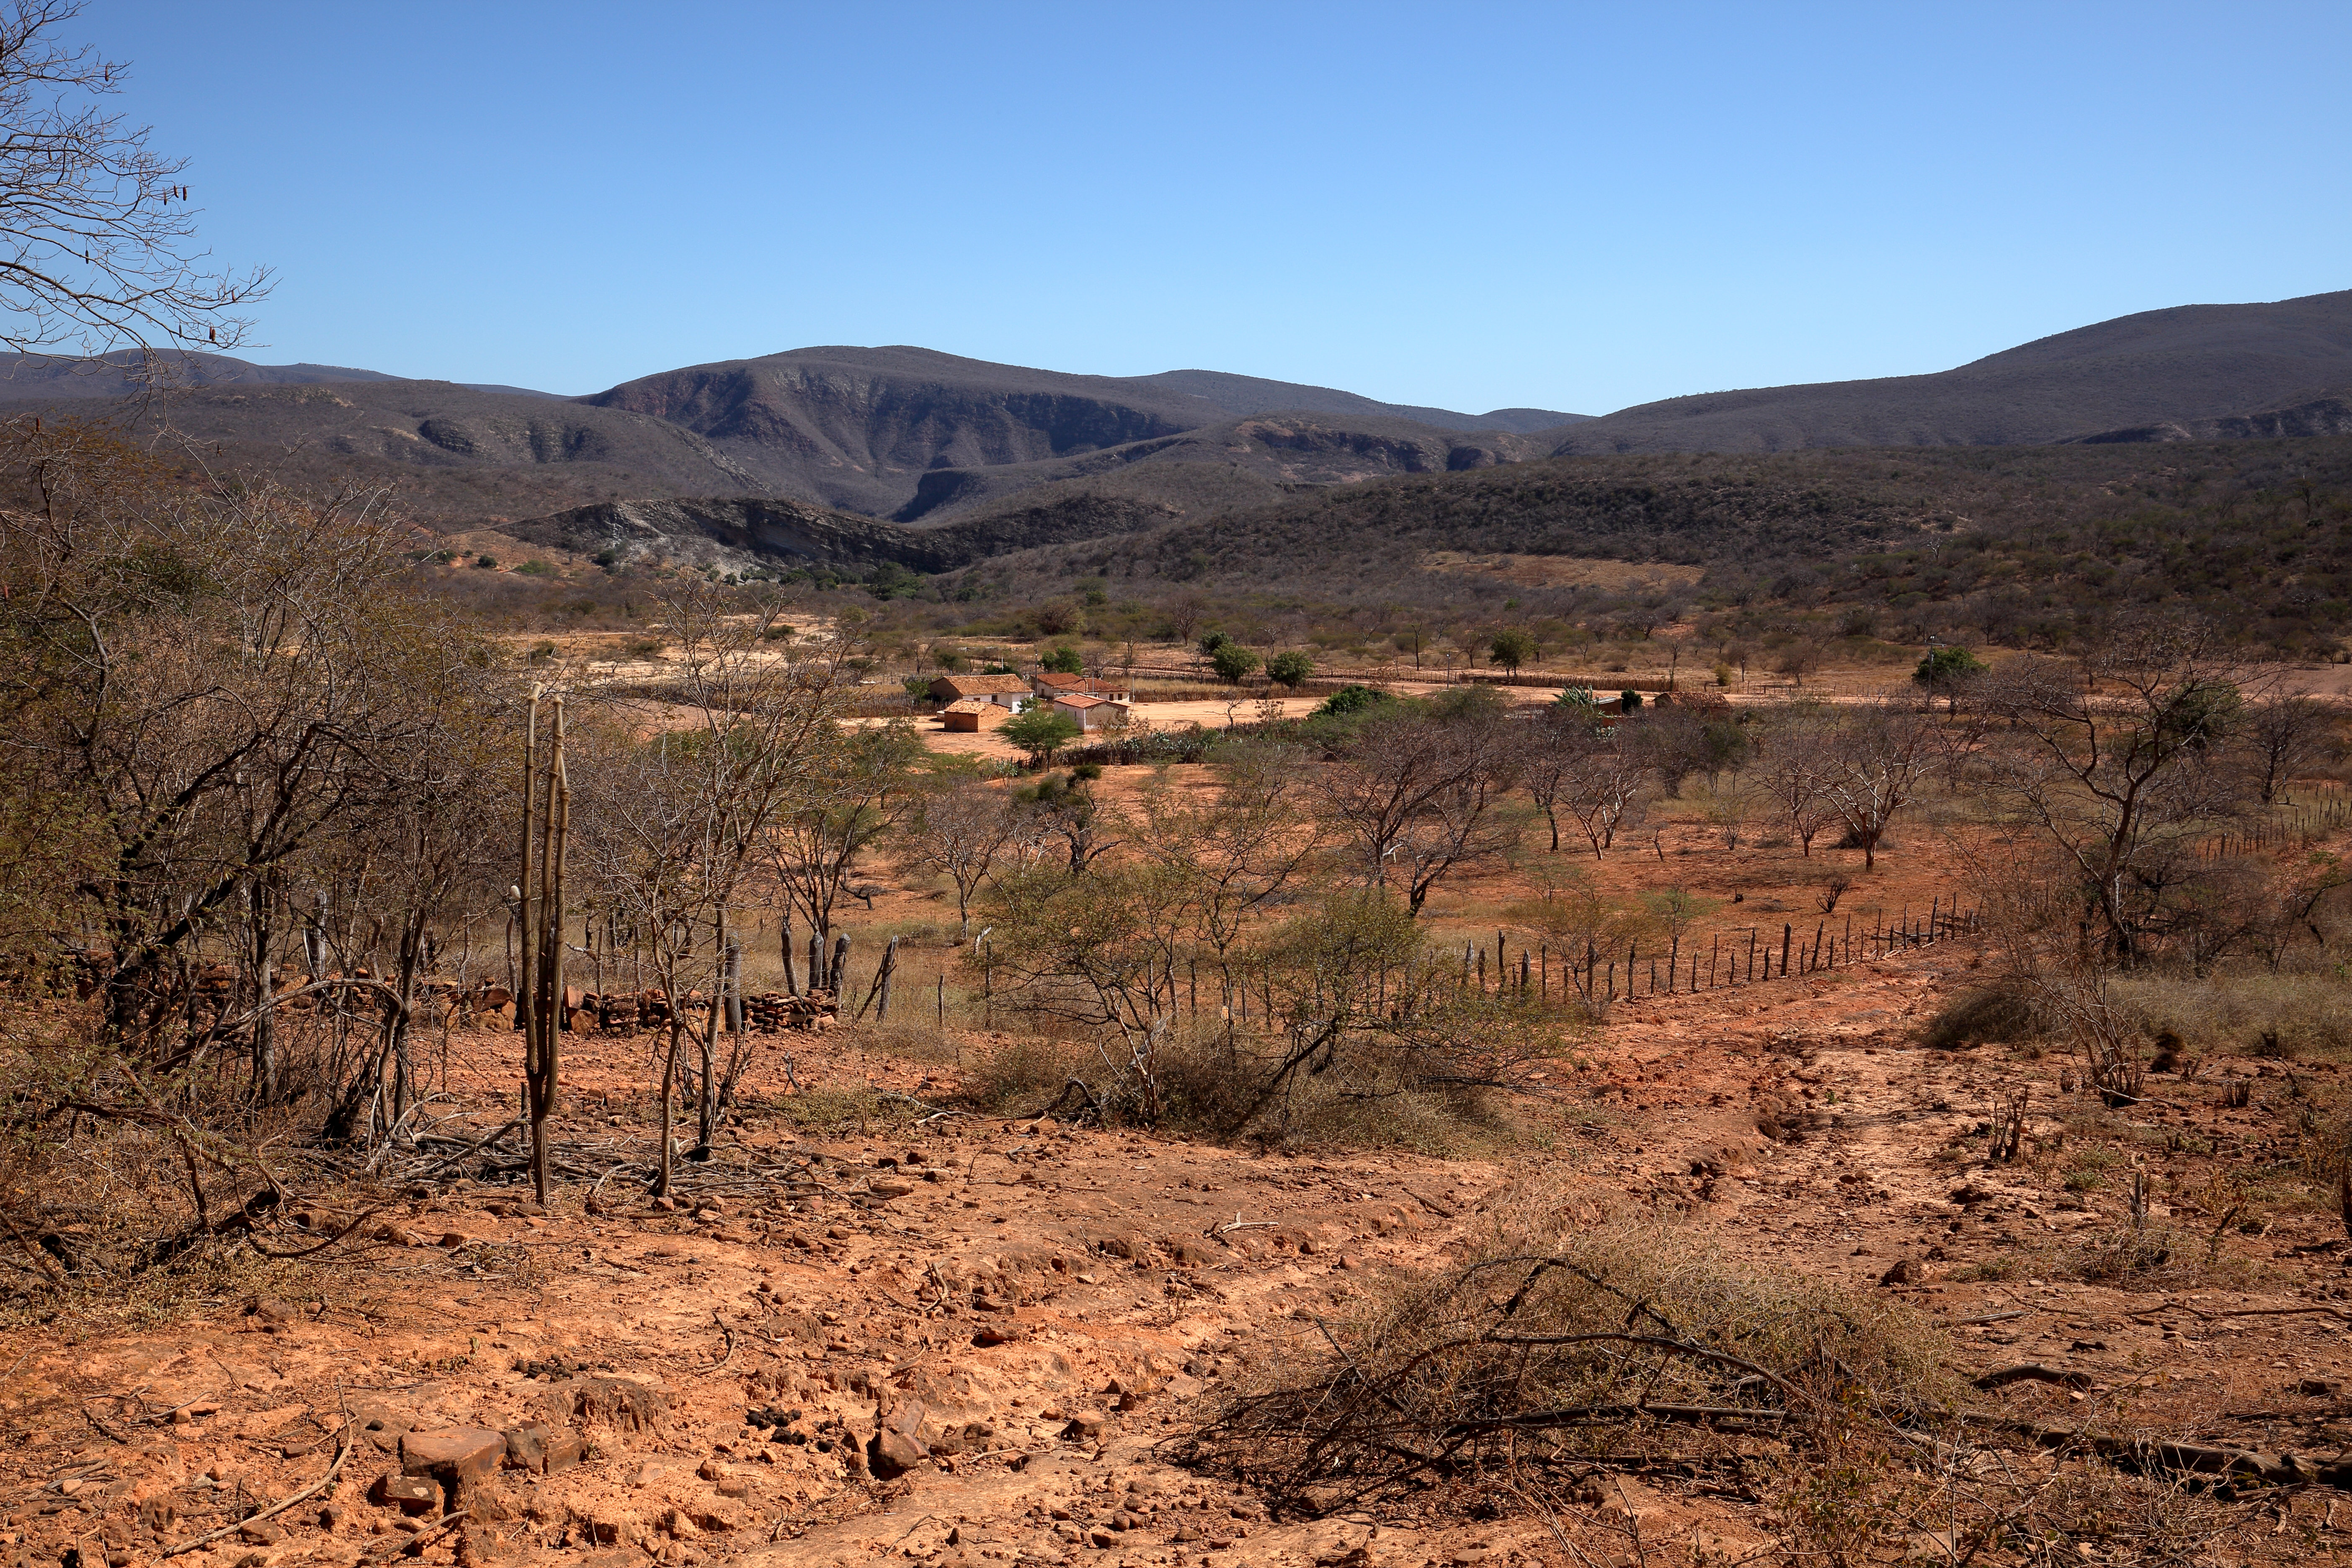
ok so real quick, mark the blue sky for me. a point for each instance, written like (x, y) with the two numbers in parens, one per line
(1566, 207)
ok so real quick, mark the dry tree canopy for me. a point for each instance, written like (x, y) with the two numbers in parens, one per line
(1563, 1346)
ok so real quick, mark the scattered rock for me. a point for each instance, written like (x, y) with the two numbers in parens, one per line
(270, 1313)
(897, 1446)
(410, 1494)
(541, 1451)
(459, 1457)
(1903, 1271)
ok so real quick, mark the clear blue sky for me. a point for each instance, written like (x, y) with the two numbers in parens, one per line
(1572, 206)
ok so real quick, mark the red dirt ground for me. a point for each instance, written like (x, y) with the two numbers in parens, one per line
(1060, 1303)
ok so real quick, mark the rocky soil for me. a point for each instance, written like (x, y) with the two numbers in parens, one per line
(935, 1337)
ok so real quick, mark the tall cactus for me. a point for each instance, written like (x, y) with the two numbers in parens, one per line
(539, 914)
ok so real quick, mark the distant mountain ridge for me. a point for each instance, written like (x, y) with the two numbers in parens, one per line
(870, 430)
(1246, 394)
(2187, 364)
(42, 375)
(931, 440)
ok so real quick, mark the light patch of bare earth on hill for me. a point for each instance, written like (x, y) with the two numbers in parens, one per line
(1563, 571)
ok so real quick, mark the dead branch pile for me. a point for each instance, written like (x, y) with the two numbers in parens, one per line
(1619, 1342)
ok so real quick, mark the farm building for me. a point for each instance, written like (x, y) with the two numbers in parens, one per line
(973, 713)
(1091, 712)
(1005, 690)
(1051, 684)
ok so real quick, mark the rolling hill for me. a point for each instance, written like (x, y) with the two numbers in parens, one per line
(1033, 457)
(909, 433)
(2181, 365)
(903, 433)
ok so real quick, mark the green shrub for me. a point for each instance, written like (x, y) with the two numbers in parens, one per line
(1351, 700)
(1232, 661)
(1512, 647)
(1290, 669)
(1040, 731)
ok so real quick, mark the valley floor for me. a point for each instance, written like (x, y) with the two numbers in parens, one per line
(1044, 1310)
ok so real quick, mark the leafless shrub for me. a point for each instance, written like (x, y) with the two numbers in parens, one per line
(2008, 1127)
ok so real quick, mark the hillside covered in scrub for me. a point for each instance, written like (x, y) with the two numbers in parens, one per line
(2038, 546)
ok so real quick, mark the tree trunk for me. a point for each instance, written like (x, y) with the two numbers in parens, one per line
(669, 1095)
(264, 978)
(706, 1088)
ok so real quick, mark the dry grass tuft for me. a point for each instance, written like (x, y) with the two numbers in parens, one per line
(1370, 1100)
(2242, 1012)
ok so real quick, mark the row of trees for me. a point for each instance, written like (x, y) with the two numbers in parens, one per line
(1233, 662)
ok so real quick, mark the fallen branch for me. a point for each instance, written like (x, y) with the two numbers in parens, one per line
(414, 1545)
(254, 1240)
(475, 1147)
(2199, 1458)
(342, 1452)
(2032, 1372)
(1592, 1415)
(2247, 1311)
(1656, 1342)
(48, 1265)
(1440, 1210)
(1053, 1108)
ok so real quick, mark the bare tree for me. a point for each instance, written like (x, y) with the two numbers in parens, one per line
(97, 238)
(1797, 661)
(1605, 789)
(1549, 751)
(681, 818)
(2117, 760)
(2281, 736)
(1880, 755)
(1185, 613)
(1417, 796)
(1796, 777)
(959, 832)
(862, 783)
(1237, 851)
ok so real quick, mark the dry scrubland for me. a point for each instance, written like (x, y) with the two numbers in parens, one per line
(1893, 1122)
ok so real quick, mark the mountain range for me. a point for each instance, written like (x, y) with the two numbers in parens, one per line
(1004, 456)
